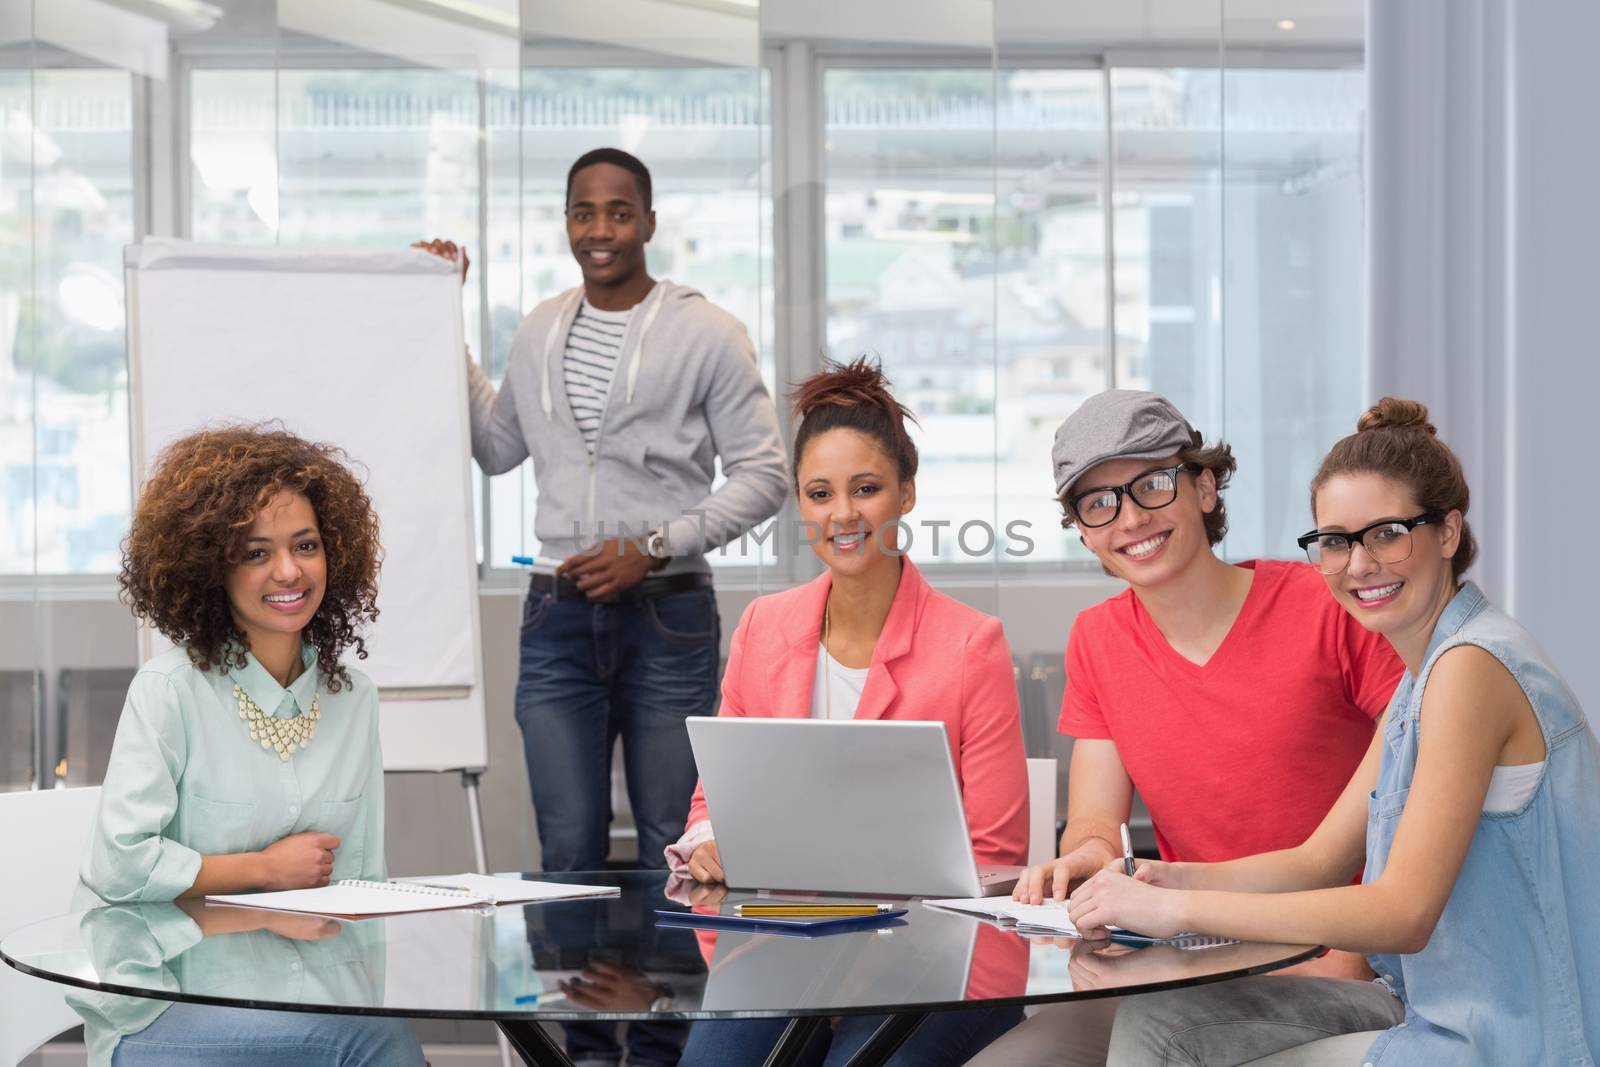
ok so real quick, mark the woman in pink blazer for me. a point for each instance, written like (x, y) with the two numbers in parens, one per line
(870, 639)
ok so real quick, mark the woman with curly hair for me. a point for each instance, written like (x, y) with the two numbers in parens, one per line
(247, 756)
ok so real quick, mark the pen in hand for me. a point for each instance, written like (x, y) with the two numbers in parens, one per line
(1127, 852)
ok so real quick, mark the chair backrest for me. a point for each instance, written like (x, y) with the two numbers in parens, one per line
(42, 837)
(1041, 810)
(88, 703)
(1039, 695)
(19, 744)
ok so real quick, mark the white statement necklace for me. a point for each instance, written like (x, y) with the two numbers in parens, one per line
(282, 736)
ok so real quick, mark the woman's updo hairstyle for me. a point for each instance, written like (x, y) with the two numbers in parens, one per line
(854, 396)
(1395, 440)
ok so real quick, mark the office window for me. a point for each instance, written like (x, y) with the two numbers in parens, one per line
(702, 133)
(233, 157)
(911, 272)
(382, 157)
(1294, 291)
(965, 240)
(376, 158)
(1051, 339)
(1239, 270)
(68, 172)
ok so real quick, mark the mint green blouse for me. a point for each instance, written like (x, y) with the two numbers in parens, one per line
(185, 779)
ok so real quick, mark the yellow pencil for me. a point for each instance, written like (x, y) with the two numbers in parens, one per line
(748, 911)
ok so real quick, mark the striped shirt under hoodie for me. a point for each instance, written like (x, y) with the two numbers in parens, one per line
(593, 345)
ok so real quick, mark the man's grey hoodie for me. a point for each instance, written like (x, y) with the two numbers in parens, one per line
(687, 389)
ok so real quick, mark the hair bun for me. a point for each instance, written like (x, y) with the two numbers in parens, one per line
(854, 396)
(860, 381)
(1392, 412)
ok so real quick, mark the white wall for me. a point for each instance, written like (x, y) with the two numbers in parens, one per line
(1556, 385)
(1483, 236)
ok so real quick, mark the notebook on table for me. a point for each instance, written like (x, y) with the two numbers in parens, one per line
(1051, 918)
(355, 899)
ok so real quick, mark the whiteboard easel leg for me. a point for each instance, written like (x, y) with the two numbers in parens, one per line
(480, 852)
(480, 855)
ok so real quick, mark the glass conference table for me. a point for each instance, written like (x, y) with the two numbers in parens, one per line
(595, 959)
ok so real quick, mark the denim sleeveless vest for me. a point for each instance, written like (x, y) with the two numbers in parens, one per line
(1512, 972)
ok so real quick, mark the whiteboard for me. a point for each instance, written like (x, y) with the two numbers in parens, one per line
(361, 349)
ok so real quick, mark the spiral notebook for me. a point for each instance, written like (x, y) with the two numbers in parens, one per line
(1051, 918)
(354, 899)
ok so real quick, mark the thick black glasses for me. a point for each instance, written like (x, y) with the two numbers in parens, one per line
(1388, 541)
(1151, 490)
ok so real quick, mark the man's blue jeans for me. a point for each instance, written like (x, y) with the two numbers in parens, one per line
(945, 1039)
(591, 673)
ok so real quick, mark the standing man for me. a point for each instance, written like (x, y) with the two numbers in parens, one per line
(624, 391)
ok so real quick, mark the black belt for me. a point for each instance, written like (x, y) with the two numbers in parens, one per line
(649, 589)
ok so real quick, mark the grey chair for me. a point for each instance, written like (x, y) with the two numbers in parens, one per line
(21, 696)
(89, 701)
(1046, 687)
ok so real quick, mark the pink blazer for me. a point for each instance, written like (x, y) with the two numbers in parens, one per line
(936, 660)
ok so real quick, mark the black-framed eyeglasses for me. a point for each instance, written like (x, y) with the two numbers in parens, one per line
(1151, 490)
(1388, 541)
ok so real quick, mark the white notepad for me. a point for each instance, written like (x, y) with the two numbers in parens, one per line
(1050, 917)
(354, 899)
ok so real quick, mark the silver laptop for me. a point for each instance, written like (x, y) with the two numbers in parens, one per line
(839, 806)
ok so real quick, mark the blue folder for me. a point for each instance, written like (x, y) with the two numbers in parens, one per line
(802, 925)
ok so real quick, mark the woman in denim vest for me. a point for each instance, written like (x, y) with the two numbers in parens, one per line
(1476, 815)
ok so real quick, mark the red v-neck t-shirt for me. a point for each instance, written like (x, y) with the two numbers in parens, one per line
(1247, 753)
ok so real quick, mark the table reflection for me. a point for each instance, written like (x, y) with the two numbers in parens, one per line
(577, 960)
(178, 951)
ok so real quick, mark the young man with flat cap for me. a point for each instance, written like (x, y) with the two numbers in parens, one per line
(1236, 698)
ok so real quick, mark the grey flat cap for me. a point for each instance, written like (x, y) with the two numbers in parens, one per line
(1117, 424)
